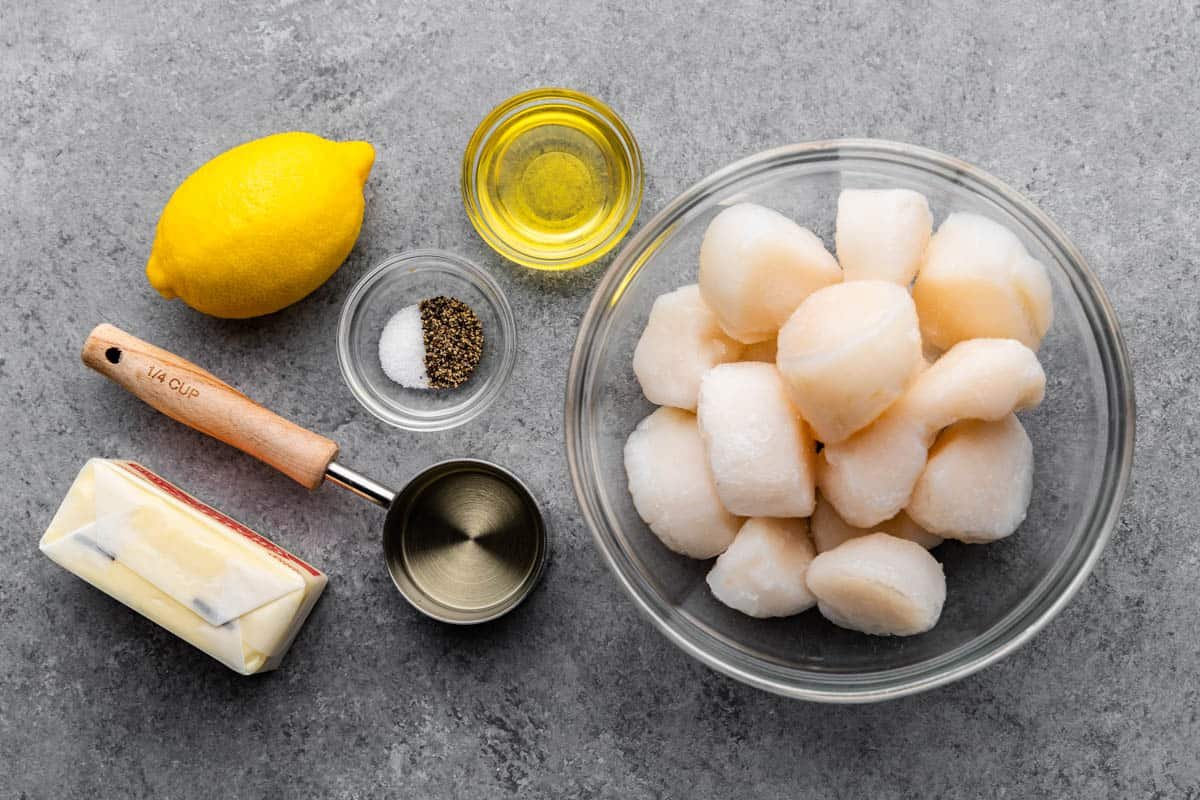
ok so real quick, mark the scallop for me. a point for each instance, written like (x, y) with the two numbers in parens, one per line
(761, 453)
(879, 584)
(762, 574)
(977, 484)
(882, 234)
(977, 379)
(681, 342)
(829, 530)
(756, 266)
(978, 281)
(847, 353)
(870, 477)
(672, 488)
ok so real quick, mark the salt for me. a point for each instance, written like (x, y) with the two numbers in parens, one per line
(402, 349)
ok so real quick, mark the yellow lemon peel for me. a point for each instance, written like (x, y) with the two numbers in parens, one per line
(262, 225)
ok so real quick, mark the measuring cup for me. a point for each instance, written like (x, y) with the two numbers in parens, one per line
(464, 541)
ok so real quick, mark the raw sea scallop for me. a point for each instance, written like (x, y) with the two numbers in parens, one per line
(977, 484)
(870, 477)
(847, 353)
(756, 266)
(879, 584)
(978, 281)
(672, 487)
(882, 234)
(977, 379)
(762, 574)
(829, 530)
(681, 342)
(760, 451)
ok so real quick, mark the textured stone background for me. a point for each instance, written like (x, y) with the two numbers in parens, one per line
(1090, 109)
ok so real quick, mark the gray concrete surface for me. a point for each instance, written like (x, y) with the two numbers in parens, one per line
(1089, 108)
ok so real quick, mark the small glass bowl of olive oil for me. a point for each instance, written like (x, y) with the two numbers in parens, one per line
(552, 179)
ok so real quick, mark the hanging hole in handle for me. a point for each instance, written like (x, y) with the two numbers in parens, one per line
(113, 354)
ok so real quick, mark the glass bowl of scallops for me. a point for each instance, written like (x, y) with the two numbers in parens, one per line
(850, 420)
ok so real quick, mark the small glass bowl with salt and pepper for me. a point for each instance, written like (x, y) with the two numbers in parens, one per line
(426, 340)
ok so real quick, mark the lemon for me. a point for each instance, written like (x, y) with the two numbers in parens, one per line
(262, 225)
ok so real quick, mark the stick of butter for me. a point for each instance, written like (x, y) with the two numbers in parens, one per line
(206, 578)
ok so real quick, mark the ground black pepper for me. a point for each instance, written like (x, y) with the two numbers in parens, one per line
(453, 341)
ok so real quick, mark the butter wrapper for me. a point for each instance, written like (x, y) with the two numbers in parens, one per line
(205, 577)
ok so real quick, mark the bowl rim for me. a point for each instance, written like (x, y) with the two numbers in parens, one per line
(1043, 603)
(505, 340)
(603, 114)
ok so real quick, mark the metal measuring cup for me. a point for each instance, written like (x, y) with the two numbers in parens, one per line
(464, 540)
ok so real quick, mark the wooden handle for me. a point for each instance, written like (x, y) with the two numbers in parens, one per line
(186, 393)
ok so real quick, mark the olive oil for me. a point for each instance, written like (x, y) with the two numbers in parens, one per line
(555, 183)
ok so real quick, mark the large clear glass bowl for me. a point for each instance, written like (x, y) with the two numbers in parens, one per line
(998, 595)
